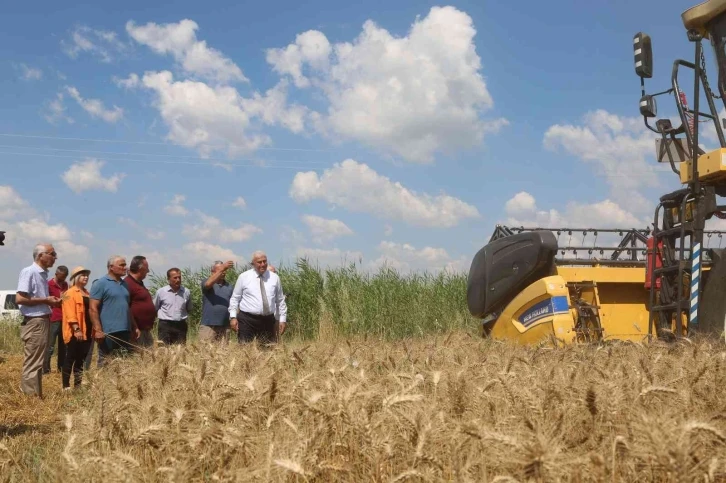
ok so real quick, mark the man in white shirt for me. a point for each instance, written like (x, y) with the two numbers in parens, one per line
(256, 298)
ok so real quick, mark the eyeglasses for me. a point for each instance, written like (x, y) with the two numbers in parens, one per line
(52, 254)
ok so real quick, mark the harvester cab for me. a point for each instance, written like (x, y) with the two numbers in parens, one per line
(529, 284)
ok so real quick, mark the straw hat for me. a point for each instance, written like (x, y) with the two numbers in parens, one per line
(77, 271)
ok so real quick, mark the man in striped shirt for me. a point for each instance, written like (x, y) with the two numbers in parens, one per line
(173, 303)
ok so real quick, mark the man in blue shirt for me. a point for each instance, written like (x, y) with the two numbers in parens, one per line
(216, 293)
(113, 325)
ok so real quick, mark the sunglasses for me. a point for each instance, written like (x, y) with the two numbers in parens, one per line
(52, 254)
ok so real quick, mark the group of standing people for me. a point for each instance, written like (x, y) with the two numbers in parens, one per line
(119, 312)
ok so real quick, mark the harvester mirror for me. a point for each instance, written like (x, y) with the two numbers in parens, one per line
(648, 106)
(663, 125)
(643, 55)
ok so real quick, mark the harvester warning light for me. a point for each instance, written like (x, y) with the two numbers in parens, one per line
(643, 55)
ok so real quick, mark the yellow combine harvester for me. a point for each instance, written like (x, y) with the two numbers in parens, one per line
(529, 287)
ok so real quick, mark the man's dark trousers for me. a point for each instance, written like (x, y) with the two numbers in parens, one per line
(251, 326)
(55, 333)
(173, 331)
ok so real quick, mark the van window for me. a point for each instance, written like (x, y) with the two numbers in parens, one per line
(10, 302)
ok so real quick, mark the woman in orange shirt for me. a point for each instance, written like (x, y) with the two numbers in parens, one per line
(77, 327)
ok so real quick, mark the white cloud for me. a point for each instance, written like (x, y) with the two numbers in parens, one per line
(205, 253)
(130, 82)
(180, 41)
(11, 203)
(39, 229)
(57, 111)
(404, 257)
(357, 187)
(323, 229)
(291, 236)
(25, 227)
(311, 47)
(86, 176)
(175, 206)
(621, 149)
(413, 96)
(240, 203)
(95, 107)
(522, 202)
(101, 44)
(151, 233)
(203, 111)
(707, 133)
(522, 210)
(26, 233)
(30, 73)
(218, 118)
(272, 109)
(212, 228)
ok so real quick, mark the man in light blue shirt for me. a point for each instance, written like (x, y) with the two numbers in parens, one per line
(35, 306)
(173, 304)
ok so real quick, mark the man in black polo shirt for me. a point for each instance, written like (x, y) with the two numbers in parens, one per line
(216, 293)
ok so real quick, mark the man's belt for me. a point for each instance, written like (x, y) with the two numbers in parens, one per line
(27, 318)
(183, 321)
(256, 315)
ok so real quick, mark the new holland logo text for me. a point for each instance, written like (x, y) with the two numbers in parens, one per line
(543, 309)
(535, 314)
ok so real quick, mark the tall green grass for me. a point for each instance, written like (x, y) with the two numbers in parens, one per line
(350, 301)
(10, 342)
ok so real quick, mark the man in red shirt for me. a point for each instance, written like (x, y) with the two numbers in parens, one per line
(56, 287)
(142, 306)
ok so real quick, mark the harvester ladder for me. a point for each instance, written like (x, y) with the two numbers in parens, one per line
(671, 297)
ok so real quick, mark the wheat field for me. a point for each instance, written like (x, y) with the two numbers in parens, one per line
(452, 407)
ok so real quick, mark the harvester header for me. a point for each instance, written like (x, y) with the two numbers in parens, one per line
(660, 282)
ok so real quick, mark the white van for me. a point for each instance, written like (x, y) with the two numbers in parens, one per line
(8, 308)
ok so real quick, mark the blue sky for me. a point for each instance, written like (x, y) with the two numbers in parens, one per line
(389, 133)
